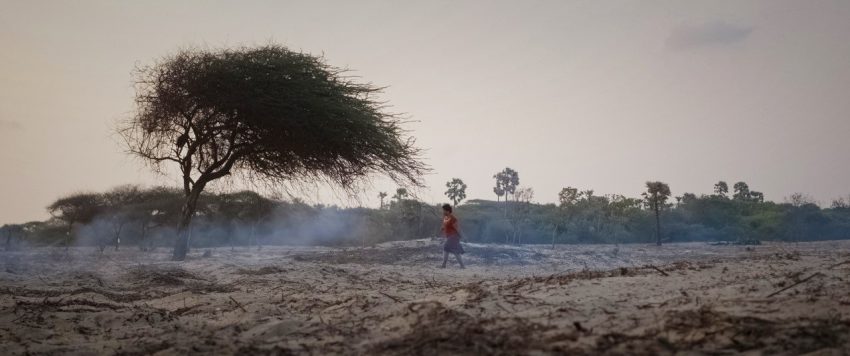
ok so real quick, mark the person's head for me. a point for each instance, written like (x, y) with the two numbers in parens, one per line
(447, 209)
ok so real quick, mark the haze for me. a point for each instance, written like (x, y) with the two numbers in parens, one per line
(596, 95)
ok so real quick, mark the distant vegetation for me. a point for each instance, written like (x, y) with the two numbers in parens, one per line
(147, 218)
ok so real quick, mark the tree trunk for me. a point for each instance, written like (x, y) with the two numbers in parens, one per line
(230, 236)
(253, 236)
(142, 242)
(181, 244)
(657, 225)
(8, 239)
(554, 233)
(68, 236)
(118, 237)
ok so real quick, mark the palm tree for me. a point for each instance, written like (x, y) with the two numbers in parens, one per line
(656, 195)
(506, 182)
(381, 196)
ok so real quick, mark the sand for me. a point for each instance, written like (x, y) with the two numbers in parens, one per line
(687, 298)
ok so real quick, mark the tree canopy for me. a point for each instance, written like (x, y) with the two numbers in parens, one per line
(456, 191)
(268, 113)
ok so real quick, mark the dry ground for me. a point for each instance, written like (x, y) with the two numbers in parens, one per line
(392, 299)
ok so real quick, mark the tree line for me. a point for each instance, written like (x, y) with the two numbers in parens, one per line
(150, 217)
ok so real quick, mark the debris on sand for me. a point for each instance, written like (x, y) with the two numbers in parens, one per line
(437, 330)
(392, 299)
(424, 253)
(713, 331)
(154, 276)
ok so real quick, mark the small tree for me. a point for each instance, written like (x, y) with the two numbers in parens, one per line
(9, 231)
(117, 210)
(157, 207)
(79, 208)
(269, 113)
(456, 191)
(567, 199)
(245, 207)
(721, 189)
(742, 192)
(656, 196)
(521, 213)
(498, 190)
(400, 195)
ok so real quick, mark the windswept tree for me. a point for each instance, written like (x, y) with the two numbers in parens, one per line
(267, 114)
(656, 196)
(456, 190)
(721, 189)
(79, 208)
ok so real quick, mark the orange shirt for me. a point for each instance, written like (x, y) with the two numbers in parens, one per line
(450, 226)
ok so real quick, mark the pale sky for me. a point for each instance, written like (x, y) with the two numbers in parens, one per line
(601, 95)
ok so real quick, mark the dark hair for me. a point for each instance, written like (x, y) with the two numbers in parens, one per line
(447, 207)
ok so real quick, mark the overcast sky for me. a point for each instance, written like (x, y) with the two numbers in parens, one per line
(599, 95)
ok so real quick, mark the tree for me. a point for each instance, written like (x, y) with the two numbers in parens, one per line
(117, 205)
(742, 191)
(76, 208)
(266, 114)
(567, 199)
(245, 208)
(400, 194)
(381, 196)
(9, 231)
(656, 195)
(799, 199)
(498, 190)
(158, 207)
(506, 182)
(456, 191)
(721, 188)
(522, 212)
(840, 203)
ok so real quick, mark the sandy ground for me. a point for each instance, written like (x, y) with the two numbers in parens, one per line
(392, 299)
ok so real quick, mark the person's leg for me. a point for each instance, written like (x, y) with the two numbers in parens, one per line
(459, 260)
(445, 258)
